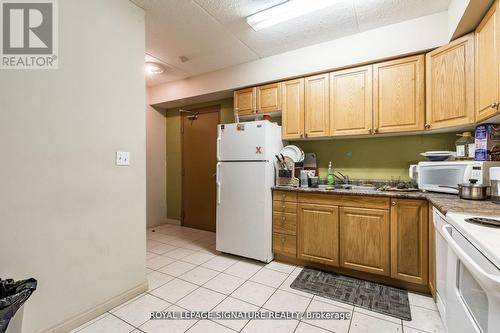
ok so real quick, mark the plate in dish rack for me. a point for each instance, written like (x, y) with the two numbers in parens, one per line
(294, 152)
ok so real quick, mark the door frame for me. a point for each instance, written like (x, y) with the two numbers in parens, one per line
(204, 109)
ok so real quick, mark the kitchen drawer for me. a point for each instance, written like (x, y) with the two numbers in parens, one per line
(284, 244)
(285, 223)
(285, 196)
(284, 207)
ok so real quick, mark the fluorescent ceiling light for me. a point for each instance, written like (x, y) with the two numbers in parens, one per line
(286, 11)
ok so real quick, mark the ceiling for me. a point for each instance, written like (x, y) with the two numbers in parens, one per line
(213, 34)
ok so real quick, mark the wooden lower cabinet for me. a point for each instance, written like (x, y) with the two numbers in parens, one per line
(409, 240)
(284, 244)
(432, 255)
(317, 233)
(364, 240)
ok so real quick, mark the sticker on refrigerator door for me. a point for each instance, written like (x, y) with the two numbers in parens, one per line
(258, 149)
(240, 127)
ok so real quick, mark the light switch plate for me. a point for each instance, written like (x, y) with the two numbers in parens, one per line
(122, 158)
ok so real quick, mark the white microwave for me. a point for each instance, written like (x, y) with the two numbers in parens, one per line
(442, 176)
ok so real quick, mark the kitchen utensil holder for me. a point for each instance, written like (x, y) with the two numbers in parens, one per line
(286, 176)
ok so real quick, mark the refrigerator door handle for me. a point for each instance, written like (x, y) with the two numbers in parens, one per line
(217, 182)
(218, 147)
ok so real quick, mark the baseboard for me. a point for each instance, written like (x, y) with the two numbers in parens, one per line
(173, 221)
(98, 310)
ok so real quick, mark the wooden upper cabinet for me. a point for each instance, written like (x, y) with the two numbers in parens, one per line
(244, 101)
(364, 240)
(351, 101)
(450, 84)
(292, 101)
(316, 106)
(488, 64)
(399, 95)
(409, 240)
(318, 233)
(268, 98)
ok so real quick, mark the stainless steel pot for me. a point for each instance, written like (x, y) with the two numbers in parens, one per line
(473, 191)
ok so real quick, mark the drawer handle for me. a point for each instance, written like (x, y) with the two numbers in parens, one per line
(283, 218)
(394, 203)
(282, 239)
(283, 196)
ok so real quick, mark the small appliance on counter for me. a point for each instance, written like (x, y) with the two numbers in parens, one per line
(445, 176)
(495, 184)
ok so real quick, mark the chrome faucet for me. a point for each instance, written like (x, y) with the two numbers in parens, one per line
(342, 178)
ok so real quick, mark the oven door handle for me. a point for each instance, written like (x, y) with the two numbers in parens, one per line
(489, 281)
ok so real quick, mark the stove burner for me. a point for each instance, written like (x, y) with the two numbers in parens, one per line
(483, 220)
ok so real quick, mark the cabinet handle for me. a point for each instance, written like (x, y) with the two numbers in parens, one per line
(427, 126)
(393, 203)
(305, 135)
(283, 196)
(375, 130)
(370, 130)
(283, 240)
(302, 135)
(283, 218)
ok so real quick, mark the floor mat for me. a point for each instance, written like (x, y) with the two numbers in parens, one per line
(373, 296)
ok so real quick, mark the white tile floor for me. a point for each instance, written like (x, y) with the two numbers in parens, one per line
(186, 273)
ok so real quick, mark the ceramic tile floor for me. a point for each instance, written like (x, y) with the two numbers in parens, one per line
(186, 273)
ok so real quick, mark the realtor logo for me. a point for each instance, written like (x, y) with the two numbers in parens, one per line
(29, 34)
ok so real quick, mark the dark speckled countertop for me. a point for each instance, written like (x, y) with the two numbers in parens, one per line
(444, 202)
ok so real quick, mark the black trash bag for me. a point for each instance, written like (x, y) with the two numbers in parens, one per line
(12, 296)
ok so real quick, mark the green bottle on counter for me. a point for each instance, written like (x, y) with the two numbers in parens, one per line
(329, 175)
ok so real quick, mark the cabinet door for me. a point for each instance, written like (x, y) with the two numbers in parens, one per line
(317, 122)
(432, 255)
(351, 101)
(398, 95)
(409, 240)
(292, 116)
(244, 101)
(269, 98)
(318, 233)
(488, 64)
(364, 240)
(450, 84)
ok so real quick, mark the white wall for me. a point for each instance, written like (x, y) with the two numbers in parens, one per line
(68, 216)
(402, 38)
(156, 174)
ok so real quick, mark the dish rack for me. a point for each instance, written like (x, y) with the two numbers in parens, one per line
(286, 173)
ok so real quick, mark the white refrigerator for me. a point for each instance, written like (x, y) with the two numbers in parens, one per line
(245, 175)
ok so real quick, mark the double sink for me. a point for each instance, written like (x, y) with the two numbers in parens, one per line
(347, 187)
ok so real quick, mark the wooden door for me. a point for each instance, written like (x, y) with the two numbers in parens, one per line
(292, 116)
(364, 240)
(199, 136)
(409, 240)
(450, 84)
(244, 101)
(432, 255)
(399, 95)
(488, 64)
(269, 98)
(317, 122)
(318, 233)
(351, 101)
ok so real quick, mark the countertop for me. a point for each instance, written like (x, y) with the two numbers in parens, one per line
(445, 203)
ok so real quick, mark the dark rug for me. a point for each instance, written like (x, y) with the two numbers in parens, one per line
(373, 296)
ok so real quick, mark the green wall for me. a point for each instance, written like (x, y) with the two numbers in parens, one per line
(375, 157)
(174, 189)
(367, 158)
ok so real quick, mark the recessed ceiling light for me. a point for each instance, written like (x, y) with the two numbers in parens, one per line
(286, 11)
(154, 68)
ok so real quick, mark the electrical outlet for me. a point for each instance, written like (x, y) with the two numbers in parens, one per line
(122, 158)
